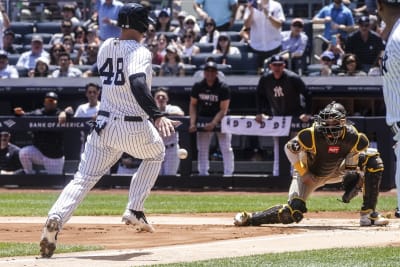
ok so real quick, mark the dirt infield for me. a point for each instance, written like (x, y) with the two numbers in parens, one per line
(180, 238)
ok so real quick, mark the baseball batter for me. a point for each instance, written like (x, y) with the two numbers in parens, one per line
(123, 124)
(389, 11)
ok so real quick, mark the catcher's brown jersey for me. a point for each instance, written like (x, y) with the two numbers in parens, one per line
(323, 158)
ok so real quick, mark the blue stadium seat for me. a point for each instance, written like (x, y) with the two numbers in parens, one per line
(200, 59)
(28, 37)
(237, 62)
(243, 47)
(205, 47)
(13, 59)
(22, 27)
(22, 72)
(237, 25)
(234, 36)
(48, 27)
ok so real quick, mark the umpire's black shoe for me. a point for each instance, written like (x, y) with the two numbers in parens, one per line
(48, 240)
(137, 220)
(397, 213)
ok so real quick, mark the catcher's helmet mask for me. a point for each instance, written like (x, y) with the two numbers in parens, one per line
(134, 16)
(331, 122)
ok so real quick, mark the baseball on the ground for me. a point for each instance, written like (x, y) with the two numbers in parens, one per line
(182, 153)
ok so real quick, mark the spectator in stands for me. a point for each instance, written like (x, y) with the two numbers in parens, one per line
(4, 23)
(328, 66)
(80, 33)
(89, 109)
(365, 44)
(89, 55)
(222, 11)
(172, 65)
(8, 42)
(6, 71)
(163, 43)
(69, 44)
(279, 93)
(210, 32)
(171, 160)
(295, 41)
(210, 98)
(350, 66)
(55, 51)
(150, 35)
(107, 17)
(376, 69)
(163, 23)
(65, 68)
(265, 19)
(338, 19)
(92, 35)
(9, 155)
(68, 13)
(42, 68)
(225, 48)
(180, 29)
(157, 57)
(188, 48)
(47, 147)
(66, 29)
(27, 59)
(190, 23)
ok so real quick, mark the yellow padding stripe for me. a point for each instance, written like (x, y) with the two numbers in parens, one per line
(300, 168)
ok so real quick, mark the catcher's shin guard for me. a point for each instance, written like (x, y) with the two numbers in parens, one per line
(372, 181)
(288, 213)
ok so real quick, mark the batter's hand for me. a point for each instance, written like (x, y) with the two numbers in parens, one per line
(166, 126)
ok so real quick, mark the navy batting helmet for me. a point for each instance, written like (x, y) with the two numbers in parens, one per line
(134, 16)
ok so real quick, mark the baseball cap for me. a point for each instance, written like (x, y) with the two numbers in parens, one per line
(190, 18)
(277, 59)
(37, 38)
(182, 14)
(4, 133)
(211, 65)
(298, 22)
(164, 12)
(328, 54)
(171, 48)
(44, 60)
(3, 54)
(9, 32)
(51, 95)
(363, 20)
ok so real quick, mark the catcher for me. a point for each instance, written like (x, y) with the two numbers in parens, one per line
(330, 151)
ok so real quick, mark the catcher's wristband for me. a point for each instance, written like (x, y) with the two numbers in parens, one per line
(300, 168)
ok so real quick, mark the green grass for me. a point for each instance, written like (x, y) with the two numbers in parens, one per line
(344, 257)
(38, 204)
(27, 249)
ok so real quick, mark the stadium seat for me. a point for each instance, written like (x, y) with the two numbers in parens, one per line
(237, 25)
(234, 36)
(22, 72)
(243, 47)
(22, 27)
(13, 59)
(48, 27)
(46, 37)
(205, 47)
(200, 59)
(237, 63)
(189, 69)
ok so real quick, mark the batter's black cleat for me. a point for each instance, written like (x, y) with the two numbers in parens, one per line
(137, 220)
(397, 213)
(49, 237)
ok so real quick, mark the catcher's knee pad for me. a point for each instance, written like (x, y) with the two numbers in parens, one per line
(292, 212)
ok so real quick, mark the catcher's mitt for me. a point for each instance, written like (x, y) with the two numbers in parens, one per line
(352, 184)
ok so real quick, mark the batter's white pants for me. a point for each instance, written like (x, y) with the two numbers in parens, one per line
(203, 148)
(397, 173)
(139, 139)
(30, 155)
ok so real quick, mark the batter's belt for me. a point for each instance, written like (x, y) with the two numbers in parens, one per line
(126, 118)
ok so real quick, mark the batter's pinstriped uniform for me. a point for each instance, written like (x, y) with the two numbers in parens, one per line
(139, 139)
(122, 125)
(391, 92)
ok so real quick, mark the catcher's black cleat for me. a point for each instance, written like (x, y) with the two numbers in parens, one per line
(397, 213)
(48, 240)
(137, 220)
